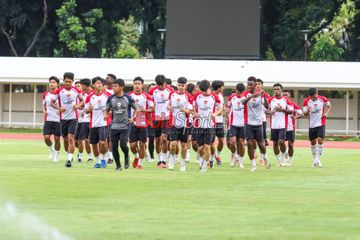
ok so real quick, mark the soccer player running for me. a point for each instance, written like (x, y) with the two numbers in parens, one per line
(237, 126)
(254, 103)
(138, 129)
(205, 104)
(95, 105)
(190, 89)
(160, 95)
(120, 105)
(110, 78)
(68, 106)
(314, 108)
(83, 128)
(290, 133)
(51, 120)
(180, 106)
(279, 108)
(218, 89)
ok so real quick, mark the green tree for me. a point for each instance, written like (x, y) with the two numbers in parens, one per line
(76, 32)
(326, 49)
(128, 38)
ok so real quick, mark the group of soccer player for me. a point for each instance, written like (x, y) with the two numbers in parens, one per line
(98, 116)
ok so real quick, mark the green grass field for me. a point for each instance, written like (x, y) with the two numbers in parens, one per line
(38, 196)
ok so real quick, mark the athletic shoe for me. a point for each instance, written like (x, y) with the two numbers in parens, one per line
(163, 164)
(211, 164)
(135, 162)
(262, 162)
(55, 160)
(267, 163)
(182, 169)
(79, 160)
(232, 163)
(90, 160)
(110, 161)
(241, 165)
(253, 168)
(158, 165)
(103, 164)
(118, 168)
(127, 163)
(139, 167)
(97, 165)
(218, 161)
(151, 160)
(68, 163)
(319, 164)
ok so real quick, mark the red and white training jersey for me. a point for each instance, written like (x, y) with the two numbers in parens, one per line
(253, 109)
(291, 120)
(161, 100)
(316, 110)
(142, 101)
(279, 120)
(178, 100)
(109, 91)
(52, 113)
(83, 116)
(236, 114)
(67, 99)
(205, 106)
(220, 118)
(98, 101)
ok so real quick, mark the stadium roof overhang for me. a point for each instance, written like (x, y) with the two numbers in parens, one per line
(326, 75)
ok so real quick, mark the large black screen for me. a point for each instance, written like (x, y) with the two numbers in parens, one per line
(218, 29)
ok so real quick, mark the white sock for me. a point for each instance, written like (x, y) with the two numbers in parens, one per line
(282, 157)
(110, 155)
(253, 163)
(320, 150)
(137, 155)
(232, 160)
(70, 156)
(200, 160)
(90, 156)
(182, 163)
(236, 156)
(161, 157)
(51, 147)
(140, 161)
(217, 153)
(79, 155)
(212, 158)
(102, 156)
(203, 164)
(57, 154)
(290, 160)
(277, 157)
(98, 159)
(314, 152)
(241, 159)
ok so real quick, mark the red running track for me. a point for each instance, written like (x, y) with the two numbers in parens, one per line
(298, 143)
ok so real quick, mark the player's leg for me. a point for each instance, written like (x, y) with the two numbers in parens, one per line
(282, 146)
(188, 144)
(320, 141)
(133, 139)
(264, 134)
(151, 138)
(47, 131)
(173, 134)
(290, 152)
(94, 141)
(208, 136)
(240, 145)
(124, 135)
(232, 146)
(115, 136)
(103, 148)
(164, 148)
(313, 136)
(71, 138)
(275, 140)
(184, 145)
(260, 142)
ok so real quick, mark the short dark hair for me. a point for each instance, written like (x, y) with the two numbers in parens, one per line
(54, 78)
(139, 79)
(217, 84)
(190, 88)
(204, 85)
(111, 75)
(175, 87)
(168, 81)
(251, 79)
(287, 90)
(240, 87)
(76, 82)
(312, 91)
(95, 79)
(119, 82)
(160, 79)
(69, 75)
(85, 81)
(260, 81)
(278, 85)
(198, 83)
(182, 80)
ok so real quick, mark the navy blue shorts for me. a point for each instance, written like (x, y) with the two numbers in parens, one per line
(52, 128)
(137, 134)
(98, 134)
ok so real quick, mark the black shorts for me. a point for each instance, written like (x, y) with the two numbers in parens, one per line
(219, 130)
(160, 127)
(68, 127)
(121, 135)
(52, 128)
(278, 134)
(98, 134)
(82, 131)
(317, 132)
(205, 136)
(264, 130)
(137, 134)
(238, 132)
(290, 136)
(150, 132)
(177, 134)
(254, 132)
(189, 131)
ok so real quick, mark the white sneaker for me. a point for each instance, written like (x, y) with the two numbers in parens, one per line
(319, 164)
(182, 169)
(171, 164)
(151, 160)
(253, 168)
(232, 163)
(187, 159)
(52, 154)
(55, 159)
(241, 165)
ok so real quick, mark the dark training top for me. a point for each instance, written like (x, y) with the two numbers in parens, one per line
(120, 107)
